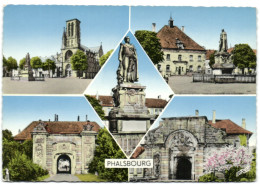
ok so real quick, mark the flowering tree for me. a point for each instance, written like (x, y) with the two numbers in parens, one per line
(223, 159)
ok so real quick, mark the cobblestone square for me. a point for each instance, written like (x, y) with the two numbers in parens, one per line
(49, 86)
(184, 85)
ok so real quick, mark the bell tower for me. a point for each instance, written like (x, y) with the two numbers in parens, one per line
(73, 33)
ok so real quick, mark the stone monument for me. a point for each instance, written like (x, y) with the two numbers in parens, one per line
(223, 63)
(129, 114)
(27, 72)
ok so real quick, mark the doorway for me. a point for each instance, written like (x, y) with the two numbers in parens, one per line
(184, 169)
(64, 164)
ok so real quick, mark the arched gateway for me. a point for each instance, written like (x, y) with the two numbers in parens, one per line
(64, 147)
(64, 164)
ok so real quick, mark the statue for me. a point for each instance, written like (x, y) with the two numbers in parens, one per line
(127, 62)
(223, 42)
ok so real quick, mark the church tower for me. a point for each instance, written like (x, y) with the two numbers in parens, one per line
(73, 33)
(70, 45)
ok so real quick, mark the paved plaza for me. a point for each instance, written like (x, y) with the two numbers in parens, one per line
(63, 178)
(49, 86)
(184, 85)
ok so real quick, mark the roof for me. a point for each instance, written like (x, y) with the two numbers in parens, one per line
(139, 150)
(168, 35)
(209, 52)
(92, 49)
(107, 101)
(229, 126)
(56, 127)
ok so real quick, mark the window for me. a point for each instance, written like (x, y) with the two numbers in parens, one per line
(199, 58)
(191, 68)
(139, 170)
(191, 58)
(199, 68)
(179, 57)
(159, 67)
(168, 57)
(167, 67)
(131, 170)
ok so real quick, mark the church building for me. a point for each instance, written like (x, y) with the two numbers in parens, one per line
(62, 146)
(179, 144)
(71, 42)
(181, 54)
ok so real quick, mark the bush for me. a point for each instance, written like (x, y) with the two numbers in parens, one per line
(21, 168)
(209, 178)
(107, 149)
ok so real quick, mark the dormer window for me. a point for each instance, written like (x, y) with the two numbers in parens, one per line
(179, 44)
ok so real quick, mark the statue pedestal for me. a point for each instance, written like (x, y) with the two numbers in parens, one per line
(27, 75)
(131, 115)
(223, 64)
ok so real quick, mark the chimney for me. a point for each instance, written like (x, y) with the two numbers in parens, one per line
(78, 118)
(182, 28)
(19, 131)
(153, 27)
(214, 117)
(55, 117)
(171, 22)
(86, 117)
(244, 123)
(197, 112)
(159, 97)
(49, 120)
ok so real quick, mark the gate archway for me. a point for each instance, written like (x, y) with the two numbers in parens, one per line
(184, 167)
(64, 164)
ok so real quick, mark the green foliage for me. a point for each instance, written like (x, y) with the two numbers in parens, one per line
(212, 59)
(209, 178)
(48, 65)
(9, 147)
(107, 149)
(243, 56)
(243, 140)
(22, 63)
(7, 135)
(104, 58)
(18, 159)
(96, 105)
(36, 62)
(79, 61)
(10, 63)
(151, 45)
(21, 168)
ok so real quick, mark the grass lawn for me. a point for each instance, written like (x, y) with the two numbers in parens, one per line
(90, 178)
(43, 177)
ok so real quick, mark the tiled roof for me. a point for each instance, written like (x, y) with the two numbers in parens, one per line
(168, 35)
(139, 150)
(155, 103)
(229, 126)
(209, 52)
(56, 127)
(107, 101)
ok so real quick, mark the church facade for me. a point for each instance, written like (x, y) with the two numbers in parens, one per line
(179, 144)
(181, 54)
(62, 146)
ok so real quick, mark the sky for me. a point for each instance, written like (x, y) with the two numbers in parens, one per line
(202, 24)
(19, 111)
(148, 75)
(227, 107)
(38, 29)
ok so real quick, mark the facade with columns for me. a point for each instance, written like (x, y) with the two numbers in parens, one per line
(179, 144)
(62, 146)
(181, 53)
